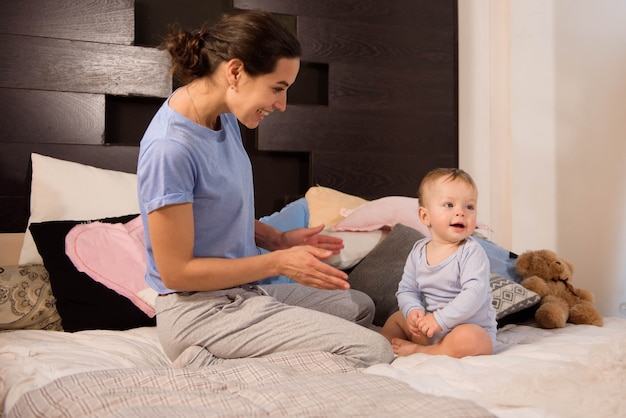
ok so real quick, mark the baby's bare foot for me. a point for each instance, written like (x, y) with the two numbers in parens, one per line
(404, 348)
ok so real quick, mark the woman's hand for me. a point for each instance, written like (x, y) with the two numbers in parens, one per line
(304, 265)
(311, 236)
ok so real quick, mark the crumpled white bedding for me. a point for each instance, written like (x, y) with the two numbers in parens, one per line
(32, 358)
(577, 371)
(104, 373)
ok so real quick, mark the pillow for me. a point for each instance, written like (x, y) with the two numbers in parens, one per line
(64, 190)
(26, 300)
(501, 261)
(82, 302)
(291, 216)
(114, 255)
(383, 213)
(357, 245)
(325, 204)
(380, 271)
(510, 297)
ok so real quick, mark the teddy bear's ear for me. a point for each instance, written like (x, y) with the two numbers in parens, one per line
(548, 255)
(524, 263)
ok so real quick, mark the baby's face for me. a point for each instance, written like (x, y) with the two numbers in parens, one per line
(450, 209)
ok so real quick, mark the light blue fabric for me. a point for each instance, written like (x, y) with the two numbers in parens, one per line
(292, 216)
(456, 290)
(501, 261)
(181, 162)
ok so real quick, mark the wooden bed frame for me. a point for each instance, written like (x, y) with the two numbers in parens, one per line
(374, 108)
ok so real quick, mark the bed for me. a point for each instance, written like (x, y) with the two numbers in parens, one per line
(78, 335)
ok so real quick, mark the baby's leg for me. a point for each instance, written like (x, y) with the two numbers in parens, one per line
(464, 340)
(395, 327)
(402, 340)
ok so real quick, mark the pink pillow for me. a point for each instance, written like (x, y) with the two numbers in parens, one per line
(383, 213)
(114, 255)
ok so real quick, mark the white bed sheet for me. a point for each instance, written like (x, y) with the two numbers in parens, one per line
(575, 371)
(32, 358)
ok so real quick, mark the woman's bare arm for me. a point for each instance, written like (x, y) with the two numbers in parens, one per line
(172, 236)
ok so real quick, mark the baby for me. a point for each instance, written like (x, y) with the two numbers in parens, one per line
(444, 295)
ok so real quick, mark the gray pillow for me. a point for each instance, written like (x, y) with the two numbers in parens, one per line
(379, 273)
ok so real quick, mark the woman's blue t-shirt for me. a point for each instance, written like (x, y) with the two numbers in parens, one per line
(183, 162)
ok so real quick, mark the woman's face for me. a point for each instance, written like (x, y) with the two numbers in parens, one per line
(255, 98)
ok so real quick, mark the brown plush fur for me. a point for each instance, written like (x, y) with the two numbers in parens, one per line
(549, 275)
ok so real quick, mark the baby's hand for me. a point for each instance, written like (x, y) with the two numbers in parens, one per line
(413, 319)
(428, 325)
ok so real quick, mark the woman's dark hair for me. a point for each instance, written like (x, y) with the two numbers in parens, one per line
(253, 36)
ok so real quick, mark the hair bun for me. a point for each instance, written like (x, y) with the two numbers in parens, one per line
(205, 34)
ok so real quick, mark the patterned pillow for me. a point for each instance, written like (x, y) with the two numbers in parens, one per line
(510, 297)
(26, 300)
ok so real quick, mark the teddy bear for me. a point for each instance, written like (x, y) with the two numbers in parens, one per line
(549, 275)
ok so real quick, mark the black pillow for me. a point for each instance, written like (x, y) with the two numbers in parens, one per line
(82, 302)
(379, 273)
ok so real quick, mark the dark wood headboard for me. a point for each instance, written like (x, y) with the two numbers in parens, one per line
(373, 109)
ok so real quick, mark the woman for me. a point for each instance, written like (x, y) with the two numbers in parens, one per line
(197, 205)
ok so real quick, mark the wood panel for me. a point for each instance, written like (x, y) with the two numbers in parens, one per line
(15, 160)
(324, 40)
(307, 128)
(401, 86)
(370, 175)
(60, 61)
(15, 172)
(405, 13)
(87, 20)
(66, 117)
(392, 88)
(88, 67)
(14, 212)
(388, 116)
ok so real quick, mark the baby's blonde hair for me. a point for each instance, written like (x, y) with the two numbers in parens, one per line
(448, 173)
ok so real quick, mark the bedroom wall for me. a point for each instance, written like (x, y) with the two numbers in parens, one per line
(80, 81)
(374, 107)
(63, 61)
(391, 113)
(545, 81)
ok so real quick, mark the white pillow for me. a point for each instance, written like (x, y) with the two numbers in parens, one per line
(63, 190)
(356, 246)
